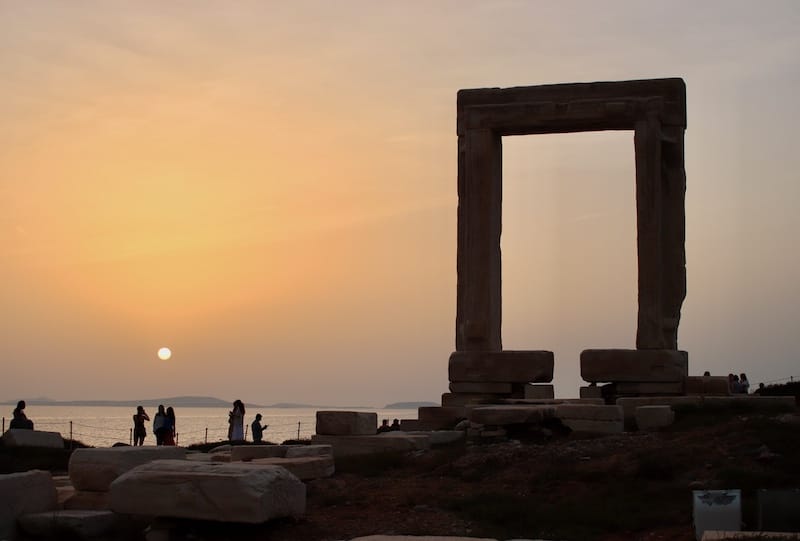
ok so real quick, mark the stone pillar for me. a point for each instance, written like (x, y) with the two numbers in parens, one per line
(478, 299)
(647, 145)
(673, 229)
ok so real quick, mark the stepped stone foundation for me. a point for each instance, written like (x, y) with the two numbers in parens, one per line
(654, 417)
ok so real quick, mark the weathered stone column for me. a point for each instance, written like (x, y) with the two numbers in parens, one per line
(647, 146)
(673, 229)
(479, 289)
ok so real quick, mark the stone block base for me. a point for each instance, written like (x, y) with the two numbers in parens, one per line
(467, 399)
(436, 418)
(510, 414)
(634, 365)
(586, 426)
(707, 385)
(648, 388)
(591, 391)
(86, 500)
(486, 387)
(501, 366)
(654, 417)
(538, 392)
(346, 423)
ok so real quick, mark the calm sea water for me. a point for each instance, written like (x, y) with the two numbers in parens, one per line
(104, 426)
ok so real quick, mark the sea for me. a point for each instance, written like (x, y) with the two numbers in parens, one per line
(103, 426)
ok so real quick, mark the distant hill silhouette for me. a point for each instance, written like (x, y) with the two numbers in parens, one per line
(408, 405)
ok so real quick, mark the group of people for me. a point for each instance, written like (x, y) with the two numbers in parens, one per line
(19, 419)
(163, 426)
(739, 384)
(386, 427)
(236, 424)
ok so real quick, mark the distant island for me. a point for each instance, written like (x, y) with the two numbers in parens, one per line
(408, 405)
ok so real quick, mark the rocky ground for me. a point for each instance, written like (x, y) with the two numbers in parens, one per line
(543, 484)
(547, 485)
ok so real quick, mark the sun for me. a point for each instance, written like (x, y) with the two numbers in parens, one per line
(164, 353)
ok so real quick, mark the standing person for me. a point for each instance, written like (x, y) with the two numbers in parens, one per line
(168, 432)
(258, 429)
(236, 421)
(744, 385)
(139, 431)
(158, 424)
(20, 420)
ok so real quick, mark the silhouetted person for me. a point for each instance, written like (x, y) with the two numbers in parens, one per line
(20, 420)
(744, 385)
(395, 425)
(236, 422)
(384, 426)
(139, 431)
(159, 422)
(258, 429)
(168, 431)
(706, 373)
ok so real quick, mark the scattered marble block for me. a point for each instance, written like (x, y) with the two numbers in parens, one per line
(250, 452)
(707, 385)
(22, 493)
(501, 366)
(629, 404)
(70, 524)
(88, 500)
(511, 414)
(304, 468)
(346, 423)
(587, 426)
(539, 392)
(634, 365)
(95, 469)
(654, 417)
(440, 438)
(236, 492)
(387, 442)
(19, 437)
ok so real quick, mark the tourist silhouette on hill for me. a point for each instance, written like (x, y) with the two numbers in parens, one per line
(258, 429)
(395, 425)
(139, 431)
(168, 432)
(384, 426)
(236, 422)
(159, 422)
(744, 385)
(19, 419)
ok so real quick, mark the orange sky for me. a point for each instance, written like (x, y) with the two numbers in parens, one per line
(270, 190)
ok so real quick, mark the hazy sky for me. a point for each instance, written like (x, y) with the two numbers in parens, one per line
(269, 188)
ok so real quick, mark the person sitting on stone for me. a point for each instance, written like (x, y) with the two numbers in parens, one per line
(20, 420)
(395, 425)
(384, 426)
(258, 429)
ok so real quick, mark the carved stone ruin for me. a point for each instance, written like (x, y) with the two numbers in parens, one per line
(656, 112)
